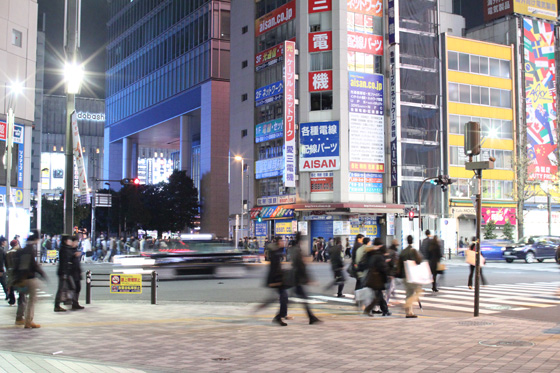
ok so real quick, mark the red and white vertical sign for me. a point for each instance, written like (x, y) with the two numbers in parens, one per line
(289, 114)
(320, 81)
(79, 156)
(320, 41)
(316, 6)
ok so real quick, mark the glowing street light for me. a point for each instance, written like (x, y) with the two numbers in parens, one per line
(240, 159)
(73, 77)
(15, 89)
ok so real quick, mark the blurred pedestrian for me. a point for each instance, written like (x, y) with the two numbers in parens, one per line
(434, 257)
(424, 247)
(64, 272)
(348, 249)
(473, 268)
(76, 274)
(412, 289)
(337, 265)
(3, 265)
(376, 278)
(393, 255)
(276, 279)
(11, 260)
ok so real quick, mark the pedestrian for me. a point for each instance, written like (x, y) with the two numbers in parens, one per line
(276, 279)
(314, 250)
(426, 244)
(412, 289)
(348, 249)
(472, 268)
(11, 258)
(3, 265)
(64, 272)
(376, 277)
(461, 243)
(354, 264)
(86, 247)
(25, 277)
(76, 274)
(434, 257)
(320, 249)
(393, 255)
(361, 262)
(337, 265)
(300, 277)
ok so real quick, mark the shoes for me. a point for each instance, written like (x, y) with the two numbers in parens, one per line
(288, 317)
(435, 290)
(470, 287)
(279, 321)
(314, 320)
(388, 313)
(32, 325)
(77, 307)
(377, 311)
(59, 309)
(411, 316)
(20, 322)
(341, 296)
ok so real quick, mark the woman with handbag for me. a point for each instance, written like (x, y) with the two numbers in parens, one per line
(434, 258)
(472, 268)
(376, 278)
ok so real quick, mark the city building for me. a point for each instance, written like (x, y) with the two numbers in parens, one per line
(167, 102)
(479, 87)
(18, 45)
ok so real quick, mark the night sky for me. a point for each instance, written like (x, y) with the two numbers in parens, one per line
(93, 39)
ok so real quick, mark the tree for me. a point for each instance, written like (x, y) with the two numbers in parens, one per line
(489, 229)
(524, 187)
(508, 231)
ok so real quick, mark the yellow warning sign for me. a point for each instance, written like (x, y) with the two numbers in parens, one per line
(121, 283)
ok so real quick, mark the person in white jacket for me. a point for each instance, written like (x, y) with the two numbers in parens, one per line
(86, 248)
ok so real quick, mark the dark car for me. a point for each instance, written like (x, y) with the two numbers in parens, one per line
(558, 255)
(533, 248)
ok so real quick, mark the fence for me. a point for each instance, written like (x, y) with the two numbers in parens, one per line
(90, 279)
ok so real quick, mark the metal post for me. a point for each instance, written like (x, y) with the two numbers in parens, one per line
(549, 206)
(154, 287)
(420, 209)
(93, 217)
(242, 201)
(9, 139)
(478, 224)
(88, 287)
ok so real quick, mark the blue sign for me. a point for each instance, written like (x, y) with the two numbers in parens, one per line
(269, 167)
(366, 93)
(269, 93)
(270, 130)
(392, 24)
(364, 182)
(260, 229)
(319, 146)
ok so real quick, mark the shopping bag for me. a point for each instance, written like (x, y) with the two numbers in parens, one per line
(364, 295)
(418, 273)
(470, 257)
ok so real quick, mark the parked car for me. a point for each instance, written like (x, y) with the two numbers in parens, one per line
(533, 248)
(558, 255)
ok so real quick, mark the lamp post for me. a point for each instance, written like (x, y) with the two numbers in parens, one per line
(40, 196)
(545, 187)
(73, 76)
(14, 90)
(240, 158)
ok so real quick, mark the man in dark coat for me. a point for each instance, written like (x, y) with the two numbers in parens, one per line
(64, 272)
(434, 257)
(425, 245)
(377, 277)
(275, 278)
(3, 265)
(300, 276)
(76, 273)
(358, 242)
(337, 265)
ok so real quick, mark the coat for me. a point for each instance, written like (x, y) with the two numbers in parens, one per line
(65, 260)
(335, 254)
(299, 270)
(410, 253)
(275, 276)
(434, 255)
(377, 270)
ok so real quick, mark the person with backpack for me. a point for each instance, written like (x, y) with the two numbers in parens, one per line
(26, 269)
(412, 289)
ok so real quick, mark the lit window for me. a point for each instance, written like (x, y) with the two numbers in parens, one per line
(16, 38)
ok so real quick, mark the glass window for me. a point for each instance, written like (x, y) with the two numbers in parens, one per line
(455, 124)
(505, 98)
(453, 61)
(498, 189)
(494, 67)
(315, 61)
(486, 188)
(465, 93)
(464, 62)
(505, 69)
(475, 95)
(453, 92)
(507, 129)
(475, 64)
(454, 156)
(321, 101)
(508, 189)
(484, 96)
(495, 97)
(484, 65)
(507, 159)
(485, 126)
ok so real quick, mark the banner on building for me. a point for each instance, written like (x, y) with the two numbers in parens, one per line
(269, 93)
(270, 130)
(320, 41)
(79, 157)
(365, 43)
(275, 18)
(367, 135)
(322, 182)
(320, 81)
(394, 117)
(371, 7)
(540, 95)
(319, 146)
(316, 6)
(499, 215)
(365, 182)
(269, 57)
(290, 114)
(270, 167)
(545, 9)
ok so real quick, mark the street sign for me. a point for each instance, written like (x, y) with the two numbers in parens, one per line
(121, 283)
(103, 200)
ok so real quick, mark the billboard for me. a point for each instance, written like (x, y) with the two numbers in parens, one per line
(365, 43)
(269, 93)
(275, 18)
(269, 57)
(319, 146)
(269, 167)
(366, 122)
(320, 41)
(320, 81)
(546, 9)
(290, 114)
(273, 129)
(371, 7)
(540, 96)
(364, 182)
(499, 215)
(322, 182)
(317, 6)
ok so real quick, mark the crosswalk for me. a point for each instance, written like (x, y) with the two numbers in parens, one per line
(493, 298)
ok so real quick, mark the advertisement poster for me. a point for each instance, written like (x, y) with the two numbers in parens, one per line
(284, 228)
(364, 182)
(275, 18)
(130, 284)
(365, 43)
(540, 93)
(319, 146)
(371, 7)
(270, 130)
(269, 93)
(269, 167)
(341, 228)
(366, 93)
(394, 120)
(271, 212)
(499, 215)
(290, 114)
(322, 182)
(79, 157)
(269, 57)
(546, 9)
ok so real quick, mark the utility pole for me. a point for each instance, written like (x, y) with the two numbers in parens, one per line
(72, 10)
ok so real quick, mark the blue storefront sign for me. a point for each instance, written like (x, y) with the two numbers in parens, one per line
(366, 93)
(269, 167)
(270, 130)
(319, 146)
(269, 93)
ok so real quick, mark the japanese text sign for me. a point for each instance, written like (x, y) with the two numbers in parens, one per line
(269, 57)
(371, 7)
(316, 6)
(320, 41)
(319, 146)
(365, 43)
(275, 18)
(269, 93)
(270, 130)
(320, 81)
(130, 284)
(290, 114)
(365, 93)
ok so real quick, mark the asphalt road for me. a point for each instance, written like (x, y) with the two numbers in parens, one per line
(250, 288)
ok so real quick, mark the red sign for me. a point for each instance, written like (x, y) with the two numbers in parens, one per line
(3, 130)
(497, 8)
(320, 81)
(290, 114)
(269, 55)
(275, 18)
(371, 7)
(316, 6)
(321, 184)
(499, 215)
(320, 41)
(365, 43)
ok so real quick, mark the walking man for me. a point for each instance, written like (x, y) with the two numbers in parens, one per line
(412, 290)
(65, 256)
(337, 265)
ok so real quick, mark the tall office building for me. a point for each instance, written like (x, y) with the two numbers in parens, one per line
(167, 99)
(18, 45)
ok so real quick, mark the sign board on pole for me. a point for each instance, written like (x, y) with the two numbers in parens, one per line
(130, 284)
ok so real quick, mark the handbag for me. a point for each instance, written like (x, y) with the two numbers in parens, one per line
(351, 270)
(364, 295)
(441, 267)
(470, 257)
(418, 273)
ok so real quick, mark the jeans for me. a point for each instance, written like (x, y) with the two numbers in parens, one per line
(471, 273)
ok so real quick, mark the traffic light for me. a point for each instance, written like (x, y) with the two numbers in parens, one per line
(444, 181)
(411, 215)
(130, 181)
(259, 217)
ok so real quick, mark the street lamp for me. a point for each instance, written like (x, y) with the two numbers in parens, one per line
(40, 201)
(14, 90)
(240, 158)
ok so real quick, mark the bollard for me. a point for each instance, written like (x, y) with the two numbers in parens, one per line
(88, 287)
(154, 287)
(449, 253)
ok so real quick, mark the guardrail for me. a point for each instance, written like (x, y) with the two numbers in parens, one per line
(90, 279)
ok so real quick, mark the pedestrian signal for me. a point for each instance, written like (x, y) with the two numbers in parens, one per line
(130, 181)
(411, 215)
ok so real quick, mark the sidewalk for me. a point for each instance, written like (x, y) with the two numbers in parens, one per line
(203, 337)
